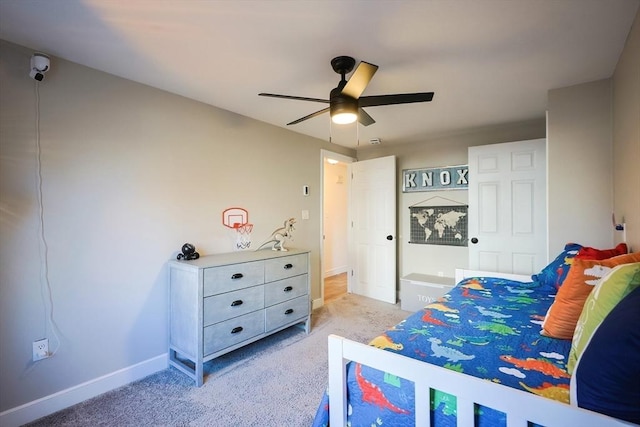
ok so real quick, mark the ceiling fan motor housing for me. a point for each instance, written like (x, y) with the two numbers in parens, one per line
(341, 103)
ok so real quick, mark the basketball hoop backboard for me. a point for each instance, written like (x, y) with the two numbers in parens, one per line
(234, 217)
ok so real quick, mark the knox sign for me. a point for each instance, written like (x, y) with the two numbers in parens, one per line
(435, 179)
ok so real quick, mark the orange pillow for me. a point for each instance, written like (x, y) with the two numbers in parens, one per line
(584, 274)
(586, 252)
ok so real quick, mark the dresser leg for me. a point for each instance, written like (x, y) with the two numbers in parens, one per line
(199, 374)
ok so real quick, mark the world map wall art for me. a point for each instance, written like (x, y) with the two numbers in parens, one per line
(439, 225)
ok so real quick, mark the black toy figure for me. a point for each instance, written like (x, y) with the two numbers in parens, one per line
(188, 252)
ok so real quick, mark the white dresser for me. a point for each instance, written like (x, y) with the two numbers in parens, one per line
(219, 303)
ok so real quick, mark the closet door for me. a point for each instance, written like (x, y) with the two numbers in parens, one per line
(508, 207)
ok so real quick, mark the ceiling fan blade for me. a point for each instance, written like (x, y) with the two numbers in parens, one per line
(359, 79)
(299, 98)
(400, 98)
(364, 118)
(310, 116)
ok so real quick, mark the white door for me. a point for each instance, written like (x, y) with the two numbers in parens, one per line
(372, 249)
(508, 207)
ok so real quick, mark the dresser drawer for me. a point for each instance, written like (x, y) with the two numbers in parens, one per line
(286, 312)
(283, 267)
(225, 334)
(286, 289)
(232, 304)
(232, 277)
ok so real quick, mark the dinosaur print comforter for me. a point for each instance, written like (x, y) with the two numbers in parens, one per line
(485, 327)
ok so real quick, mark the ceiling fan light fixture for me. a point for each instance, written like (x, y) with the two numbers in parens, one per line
(344, 118)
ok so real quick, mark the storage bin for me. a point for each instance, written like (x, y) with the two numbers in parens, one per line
(418, 290)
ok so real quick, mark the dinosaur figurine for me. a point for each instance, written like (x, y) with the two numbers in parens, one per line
(279, 236)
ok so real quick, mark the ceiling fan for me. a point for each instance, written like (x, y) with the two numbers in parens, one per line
(345, 102)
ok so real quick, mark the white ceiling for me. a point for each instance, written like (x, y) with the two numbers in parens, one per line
(488, 61)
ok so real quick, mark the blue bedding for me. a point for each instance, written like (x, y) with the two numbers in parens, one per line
(485, 327)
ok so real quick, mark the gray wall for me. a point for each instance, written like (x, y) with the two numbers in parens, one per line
(626, 137)
(594, 153)
(129, 173)
(580, 196)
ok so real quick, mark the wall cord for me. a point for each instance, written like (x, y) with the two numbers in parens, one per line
(47, 294)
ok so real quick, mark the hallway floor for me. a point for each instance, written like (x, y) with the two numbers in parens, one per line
(335, 287)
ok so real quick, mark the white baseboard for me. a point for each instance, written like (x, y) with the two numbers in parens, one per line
(63, 399)
(336, 270)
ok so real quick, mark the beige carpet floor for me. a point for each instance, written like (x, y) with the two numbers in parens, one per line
(277, 381)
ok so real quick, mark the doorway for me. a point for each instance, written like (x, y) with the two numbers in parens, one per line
(335, 215)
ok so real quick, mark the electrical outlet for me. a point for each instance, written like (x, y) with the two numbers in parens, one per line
(40, 349)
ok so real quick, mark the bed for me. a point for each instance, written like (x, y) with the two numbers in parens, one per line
(488, 364)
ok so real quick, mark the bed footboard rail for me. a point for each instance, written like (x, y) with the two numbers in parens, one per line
(519, 406)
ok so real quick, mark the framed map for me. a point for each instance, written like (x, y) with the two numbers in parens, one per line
(439, 225)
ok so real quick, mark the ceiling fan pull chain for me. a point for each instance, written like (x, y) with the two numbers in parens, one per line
(330, 130)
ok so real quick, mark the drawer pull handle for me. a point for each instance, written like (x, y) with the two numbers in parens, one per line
(289, 311)
(237, 276)
(236, 330)
(288, 266)
(236, 303)
(288, 289)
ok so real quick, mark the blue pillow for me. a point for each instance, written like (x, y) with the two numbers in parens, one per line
(554, 274)
(607, 375)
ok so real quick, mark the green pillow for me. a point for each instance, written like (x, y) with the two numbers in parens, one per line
(611, 289)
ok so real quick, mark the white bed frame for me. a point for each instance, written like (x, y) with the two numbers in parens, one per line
(520, 406)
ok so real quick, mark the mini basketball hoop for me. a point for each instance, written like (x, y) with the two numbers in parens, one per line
(237, 219)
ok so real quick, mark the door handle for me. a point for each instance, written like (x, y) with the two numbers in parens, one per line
(474, 240)
(389, 237)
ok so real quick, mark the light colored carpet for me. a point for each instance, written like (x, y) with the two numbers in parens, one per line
(277, 381)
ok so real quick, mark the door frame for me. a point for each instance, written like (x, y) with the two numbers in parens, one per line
(326, 154)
